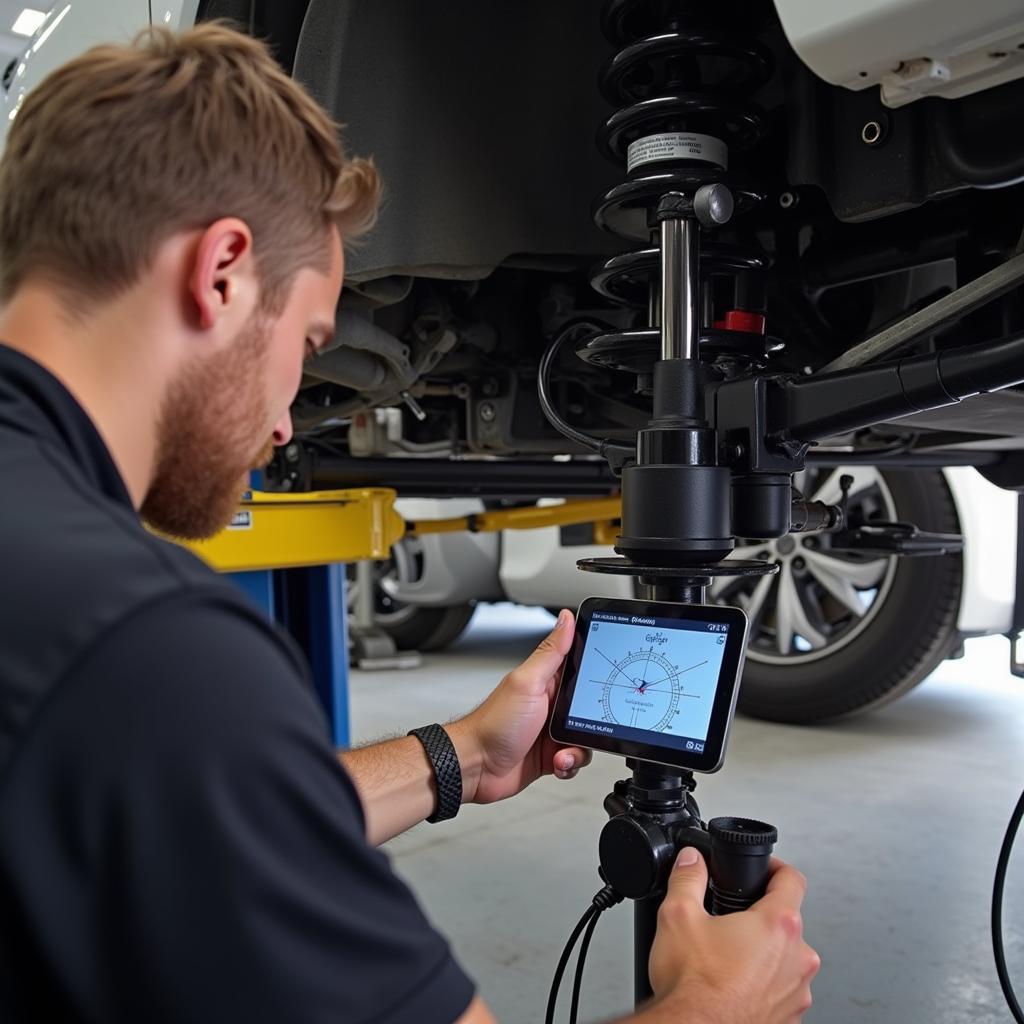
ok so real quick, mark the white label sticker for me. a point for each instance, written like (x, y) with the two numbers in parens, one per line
(241, 520)
(677, 146)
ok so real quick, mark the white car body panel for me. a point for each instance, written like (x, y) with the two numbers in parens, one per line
(69, 29)
(988, 520)
(910, 48)
(536, 569)
(458, 567)
(175, 13)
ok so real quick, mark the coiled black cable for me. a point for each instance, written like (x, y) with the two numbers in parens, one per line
(603, 899)
(577, 984)
(599, 445)
(997, 911)
(556, 982)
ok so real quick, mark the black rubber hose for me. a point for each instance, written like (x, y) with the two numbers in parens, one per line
(997, 911)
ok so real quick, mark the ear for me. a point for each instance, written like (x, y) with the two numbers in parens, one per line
(222, 282)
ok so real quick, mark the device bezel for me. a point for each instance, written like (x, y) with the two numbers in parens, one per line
(713, 756)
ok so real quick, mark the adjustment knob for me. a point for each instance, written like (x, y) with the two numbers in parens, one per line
(713, 205)
(636, 855)
(742, 832)
(740, 851)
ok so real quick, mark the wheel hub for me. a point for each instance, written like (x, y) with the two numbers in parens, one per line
(785, 546)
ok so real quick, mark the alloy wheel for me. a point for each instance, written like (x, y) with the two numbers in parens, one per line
(820, 600)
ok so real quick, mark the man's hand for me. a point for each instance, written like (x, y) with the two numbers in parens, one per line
(747, 968)
(504, 744)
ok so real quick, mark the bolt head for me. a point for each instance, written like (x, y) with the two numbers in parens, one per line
(487, 412)
(713, 205)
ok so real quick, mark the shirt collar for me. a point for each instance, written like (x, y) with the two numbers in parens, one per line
(34, 402)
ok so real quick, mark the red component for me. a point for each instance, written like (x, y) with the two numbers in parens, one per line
(741, 320)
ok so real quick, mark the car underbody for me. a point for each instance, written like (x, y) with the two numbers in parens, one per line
(639, 247)
(482, 118)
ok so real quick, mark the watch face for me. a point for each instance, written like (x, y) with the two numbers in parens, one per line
(652, 680)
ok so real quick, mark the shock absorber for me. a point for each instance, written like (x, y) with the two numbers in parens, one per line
(681, 87)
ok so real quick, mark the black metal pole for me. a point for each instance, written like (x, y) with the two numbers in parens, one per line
(645, 923)
(681, 592)
(645, 912)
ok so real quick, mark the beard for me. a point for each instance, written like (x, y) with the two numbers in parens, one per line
(208, 438)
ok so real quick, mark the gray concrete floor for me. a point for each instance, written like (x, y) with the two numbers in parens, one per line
(895, 817)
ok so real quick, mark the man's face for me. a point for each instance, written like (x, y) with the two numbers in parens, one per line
(223, 415)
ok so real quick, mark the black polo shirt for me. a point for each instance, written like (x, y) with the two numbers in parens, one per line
(178, 841)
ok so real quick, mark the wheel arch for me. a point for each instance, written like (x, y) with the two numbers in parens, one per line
(988, 522)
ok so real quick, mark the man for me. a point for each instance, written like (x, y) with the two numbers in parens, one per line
(178, 841)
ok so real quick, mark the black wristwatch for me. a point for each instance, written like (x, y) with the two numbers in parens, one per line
(447, 770)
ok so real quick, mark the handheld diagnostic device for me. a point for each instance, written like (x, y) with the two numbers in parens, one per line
(652, 680)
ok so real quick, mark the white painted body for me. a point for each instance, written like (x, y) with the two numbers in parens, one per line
(176, 13)
(988, 520)
(69, 29)
(458, 567)
(72, 27)
(911, 48)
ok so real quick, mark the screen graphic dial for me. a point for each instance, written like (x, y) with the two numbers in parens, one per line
(642, 689)
(652, 680)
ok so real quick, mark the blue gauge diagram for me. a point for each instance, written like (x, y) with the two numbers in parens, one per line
(651, 678)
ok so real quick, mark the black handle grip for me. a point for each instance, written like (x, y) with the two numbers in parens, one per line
(740, 852)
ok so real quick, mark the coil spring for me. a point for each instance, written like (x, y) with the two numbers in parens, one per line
(674, 133)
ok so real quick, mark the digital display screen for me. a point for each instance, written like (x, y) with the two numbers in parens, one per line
(644, 675)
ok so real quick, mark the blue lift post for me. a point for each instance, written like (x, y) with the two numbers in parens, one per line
(310, 604)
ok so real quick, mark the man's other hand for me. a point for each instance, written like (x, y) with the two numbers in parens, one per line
(506, 738)
(753, 966)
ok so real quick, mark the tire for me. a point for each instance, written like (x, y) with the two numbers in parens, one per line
(430, 629)
(413, 628)
(908, 628)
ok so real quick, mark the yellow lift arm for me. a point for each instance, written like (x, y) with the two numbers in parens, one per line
(604, 513)
(286, 531)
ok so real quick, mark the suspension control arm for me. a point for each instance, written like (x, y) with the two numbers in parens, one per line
(810, 408)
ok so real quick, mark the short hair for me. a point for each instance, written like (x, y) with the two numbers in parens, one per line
(127, 145)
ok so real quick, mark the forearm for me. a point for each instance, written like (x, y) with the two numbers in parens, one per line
(396, 783)
(659, 1012)
(671, 1011)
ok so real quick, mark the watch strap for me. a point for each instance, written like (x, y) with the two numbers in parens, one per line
(447, 770)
